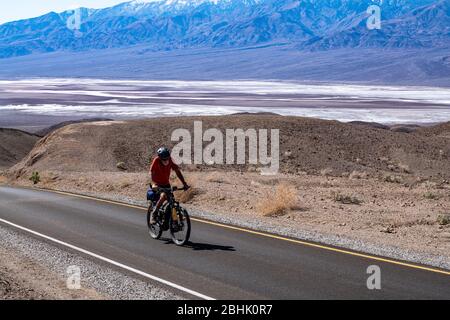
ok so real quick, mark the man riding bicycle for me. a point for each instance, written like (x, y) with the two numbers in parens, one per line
(160, 170)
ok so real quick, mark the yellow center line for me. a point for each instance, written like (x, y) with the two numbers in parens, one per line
(268, 235)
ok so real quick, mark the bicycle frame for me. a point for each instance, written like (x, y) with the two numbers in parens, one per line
(170, 202)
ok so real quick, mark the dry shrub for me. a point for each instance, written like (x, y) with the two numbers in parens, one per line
(269, 181)
(358, 175)
(186, 196)
(326, 172)
(431, 196)
(122, 166)
(346, 199)
(404, 168)
(82, 180)
(429, 185)
(326, 184)
(443, 219)
(189, 195)
(49, 178)
(2, 179)
(393, 179)
(278, 202)
(125, 184)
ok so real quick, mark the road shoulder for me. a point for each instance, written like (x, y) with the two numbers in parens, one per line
(34, 269)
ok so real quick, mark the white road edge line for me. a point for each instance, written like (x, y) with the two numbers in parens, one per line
(118, 264)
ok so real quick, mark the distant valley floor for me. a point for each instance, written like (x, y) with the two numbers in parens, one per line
(277, 61)
(34, 104)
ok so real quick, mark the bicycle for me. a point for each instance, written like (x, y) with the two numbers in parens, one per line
(171, 216)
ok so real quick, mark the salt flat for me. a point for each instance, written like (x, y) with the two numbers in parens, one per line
(39, 102)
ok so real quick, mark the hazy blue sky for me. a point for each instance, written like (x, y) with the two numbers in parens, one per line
(11, 10)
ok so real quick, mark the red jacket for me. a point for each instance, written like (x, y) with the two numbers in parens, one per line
(161, 173)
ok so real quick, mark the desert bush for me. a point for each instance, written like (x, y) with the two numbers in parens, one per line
(187, 196)
(279, 201)
(109, 187)
(429, 184)
(346, 199)
(35, 178)
(404, 168)
(431, 195)
(358, 175)
(326, 184)
(125, 184)
(443, 219)
(122, 166)
(326, 172)
(269, 181)
(393, 179)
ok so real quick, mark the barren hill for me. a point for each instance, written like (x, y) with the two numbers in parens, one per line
(14, 145)
(306, 145)
(440, 130)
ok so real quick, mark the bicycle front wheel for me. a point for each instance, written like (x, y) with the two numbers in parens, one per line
(181, 230)
(155, 230)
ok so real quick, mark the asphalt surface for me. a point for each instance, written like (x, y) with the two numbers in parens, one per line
(219, 262)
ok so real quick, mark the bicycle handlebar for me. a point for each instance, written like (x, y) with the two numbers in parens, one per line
(171, 189)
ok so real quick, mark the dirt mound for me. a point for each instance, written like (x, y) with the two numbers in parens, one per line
(306, 145)
(14, 145)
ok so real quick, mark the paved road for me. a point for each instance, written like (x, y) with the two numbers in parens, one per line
(221, 263)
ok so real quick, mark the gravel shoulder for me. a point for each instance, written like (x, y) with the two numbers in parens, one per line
(23, 277)
(31, 269)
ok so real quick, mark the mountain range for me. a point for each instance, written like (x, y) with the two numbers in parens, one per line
(171, 24)
(301, 25)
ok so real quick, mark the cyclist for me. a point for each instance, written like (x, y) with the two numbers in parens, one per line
(160, 174)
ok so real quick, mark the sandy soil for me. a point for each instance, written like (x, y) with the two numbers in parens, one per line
(404, 215)
(24, 279)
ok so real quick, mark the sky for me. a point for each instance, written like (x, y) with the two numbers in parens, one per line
(11, 10)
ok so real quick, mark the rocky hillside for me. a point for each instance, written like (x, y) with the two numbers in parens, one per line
(14, 145)
(169, 24)
(307, 145)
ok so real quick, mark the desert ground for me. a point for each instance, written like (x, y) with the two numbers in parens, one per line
(350, 181)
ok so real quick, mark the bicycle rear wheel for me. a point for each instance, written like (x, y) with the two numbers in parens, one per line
(155, 230)
(181, 230)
